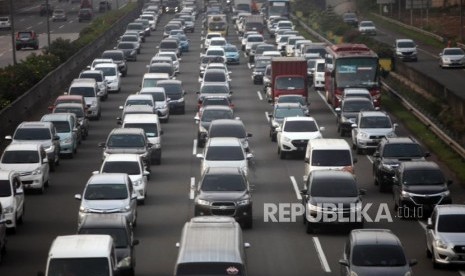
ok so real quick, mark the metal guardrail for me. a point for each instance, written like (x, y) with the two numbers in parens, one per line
(424, 119)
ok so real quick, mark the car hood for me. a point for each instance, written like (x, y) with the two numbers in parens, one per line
(89, 100)
(160, 104)
(380, 270)
(455, 238)
(222, 196)
(6, 201)
(225, 163)
(425, 189)
(350, 115)
(302, 135)
(105, 206)
(205, 125)
(20, 167)
(125, 150)
(64, 135)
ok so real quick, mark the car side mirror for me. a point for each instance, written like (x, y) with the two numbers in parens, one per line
(135, 242)
(45, 160)
(278, 129)
(77, 196)
(413, 262)
(362, 192)
(353, 125)
(395, 180)
(337, 109)
(395, 125)
(101, 145)
(146, 173)
(199, 155)
(95, 172)
(178, 245)
(56, 137)
(303, 191)
(343, 262)
(322, 128)
(246, 245)
(427, 154)
(376, 154)
(249, 156)
(249, 135)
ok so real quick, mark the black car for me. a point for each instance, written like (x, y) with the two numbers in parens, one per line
(174, 91)
(418, 186)
(84, 14)
(331, 197)
(139, 27)
(350, 18)
(348, 111)
(224, 192)
(259, 69)
(230, 128)
(118, 57)
(389, 154)
(374, 252)
(120, 230)
(205, 118)
(129, 49)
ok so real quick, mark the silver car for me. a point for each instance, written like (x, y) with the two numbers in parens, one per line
(452, 57)
(108, 193)
(445, 235)
(369, 128)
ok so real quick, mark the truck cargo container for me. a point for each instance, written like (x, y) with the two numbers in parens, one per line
(288, 77)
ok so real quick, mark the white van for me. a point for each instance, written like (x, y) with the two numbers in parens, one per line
(328, 154)
(150, 123)
(82, 255)
(11, 198)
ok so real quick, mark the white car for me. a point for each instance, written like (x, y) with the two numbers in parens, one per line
(98, 61)
(176, 60)
(30, 161)
(319, 74)
(244, 38)
(217, 41)
(406, 49)
(209, 36)
(108, 193)
(367, 27)
(112, 75)
(452, 57)
(369, 128)
(11, 198)
(224, 152)
(161, 101)
(138, 99)
(251, 40)
(217, 51)
(295, 132)
(131, 164)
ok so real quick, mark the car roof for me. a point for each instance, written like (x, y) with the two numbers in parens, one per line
(152, 90)
(70, 97)
(333, 175)
(170, 82)
(57, 117)
(374, 236)
(140, 118)
(223, 170)
(128, 130)
(227, 122)
(311, 119)
(81, 245)
(92, 72)
(425, 165)
(287, 105)
(35, 124)
(329, 144)
(399, 140)
(62, 105)
(217, 107)
(373, 113)
(139, 97)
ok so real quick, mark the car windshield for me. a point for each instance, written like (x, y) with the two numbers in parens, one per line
(225, 153)
(280, 113)
(161, 68)
(405, 44)
(62, 126)
(139, 102)
(455, 51)
(451, 223)
(108, 71)
(119, 235)
(423, 177)
(131, 38)
(97, 77)
(157, 96)
(333, 187)
(255, 39)
(5, 188)
(290, 83)
(32, 134)
(292, 99)
(218, 42)
(129, 167)
(402, 150)
(78, 111)
(357, 106)
(375, 122)
(150, 129)
(223, 183)
(83, 91)
(262, 63)
(211, 114)
(20, 157)
(214, 77)
(230, 49)
(168, 45)
(214, 89)
(126, 141)
(366, 24)
(173, 91)
(110, 191)
(336, 158)
(150, 82)
(300, 126)
(215, 52)
(126, 46)
(113, 55)
(378, 255)
(215, 101)
(78, 266)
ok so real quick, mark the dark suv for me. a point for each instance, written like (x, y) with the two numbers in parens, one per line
(121, 231)
(118, 57)
(224, 192)
(418, 186)
(389, 154)
(84, 14)
(27, 39)
(348, 111)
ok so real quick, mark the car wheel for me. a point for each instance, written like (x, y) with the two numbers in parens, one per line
(42, 189)
(52, 166)
(282, 154)
(428, 253)
(436, 265)
(141, 202)
(21, 218)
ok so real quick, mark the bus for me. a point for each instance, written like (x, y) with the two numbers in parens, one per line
(278, 7)
(351, 66)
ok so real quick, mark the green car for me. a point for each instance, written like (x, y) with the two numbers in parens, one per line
(27, 39)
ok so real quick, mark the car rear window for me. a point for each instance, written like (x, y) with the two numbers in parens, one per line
(332, 158)
(129, 167)
(225, 153)
(223, 183)
(378, 255)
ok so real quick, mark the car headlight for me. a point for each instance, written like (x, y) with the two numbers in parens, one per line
(353, 273)
(181, 100)
(9, 209)
(37, 171)
(286, 139)
(274, 124)
(391, 134)
(441, 244)
(408, 273)
(84, 209)
(387, 167)
(203, 202)
(126, 262)
(126, 208)
(446, 193)
(314, 208)
(243, 202)
(133, 53)
(67, 140)
(405, 194)
(363, 135)
(49, 148)
(137, 182)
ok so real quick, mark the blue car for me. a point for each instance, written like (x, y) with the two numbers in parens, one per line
(184, 42)
(232, 54)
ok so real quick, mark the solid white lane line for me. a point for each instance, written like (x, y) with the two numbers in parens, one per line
(248, 65)
(192, 188)
(61, 26)
(369, 158)
(296, 188)
(260, 95)
(321, 255)
(462, 273)
(422, 224)
(266, 115)
(194, 147)
(28, 28)
(327, 104)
